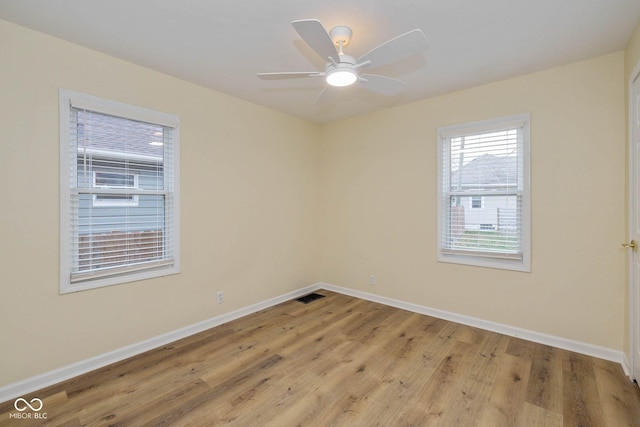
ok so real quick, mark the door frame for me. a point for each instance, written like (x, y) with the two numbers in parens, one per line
(634, 282)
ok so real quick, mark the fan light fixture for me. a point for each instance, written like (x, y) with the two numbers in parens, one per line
(341, 77)
(342, 70)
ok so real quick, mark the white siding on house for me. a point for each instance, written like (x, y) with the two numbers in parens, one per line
(493, 212)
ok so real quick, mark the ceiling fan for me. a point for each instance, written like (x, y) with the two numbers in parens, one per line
(343, 70)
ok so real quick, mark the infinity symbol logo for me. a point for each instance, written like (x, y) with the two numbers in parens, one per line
(21, 407)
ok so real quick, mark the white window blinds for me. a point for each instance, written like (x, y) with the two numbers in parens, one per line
(484, 192)
(121, 194)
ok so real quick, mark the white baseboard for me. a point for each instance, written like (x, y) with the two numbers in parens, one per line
(563, 343)
(38, 382)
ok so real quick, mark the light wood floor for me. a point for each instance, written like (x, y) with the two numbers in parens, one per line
(341, 361)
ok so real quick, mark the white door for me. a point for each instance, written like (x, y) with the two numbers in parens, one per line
(634, 216)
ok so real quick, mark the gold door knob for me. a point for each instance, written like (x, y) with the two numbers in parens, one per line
(632, 244)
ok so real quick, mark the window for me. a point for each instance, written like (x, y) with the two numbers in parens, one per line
(476, 202)
(119, 200)
(483, 193)
(111, 180)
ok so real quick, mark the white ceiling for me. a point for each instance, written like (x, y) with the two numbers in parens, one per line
(223, 44)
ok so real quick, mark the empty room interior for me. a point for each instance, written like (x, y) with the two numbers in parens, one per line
(178, 174)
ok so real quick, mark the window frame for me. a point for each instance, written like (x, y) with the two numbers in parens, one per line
(485, 258)
(68, 100)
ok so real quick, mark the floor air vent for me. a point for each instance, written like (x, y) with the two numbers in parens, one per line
(310, 297)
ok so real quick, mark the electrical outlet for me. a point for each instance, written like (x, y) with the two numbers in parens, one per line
(220, 296)
(372, 279)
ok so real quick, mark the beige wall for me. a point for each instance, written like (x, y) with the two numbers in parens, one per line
(249, 200)
(379, 204)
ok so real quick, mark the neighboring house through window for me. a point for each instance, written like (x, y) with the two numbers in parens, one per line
(483, 193)
(115, 180)
(119, 198)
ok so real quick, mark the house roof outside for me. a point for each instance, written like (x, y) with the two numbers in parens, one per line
(486, 172)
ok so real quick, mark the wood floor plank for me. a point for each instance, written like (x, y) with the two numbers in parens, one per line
(430, 402)
(620, 401)
(344, 361)
(217, 391)
(581, 399)
(159, 406)
(482, 365)
(535, 416)
(545, 385)
(507, 398)
(486, 358)
(285, 394)
(521, 348)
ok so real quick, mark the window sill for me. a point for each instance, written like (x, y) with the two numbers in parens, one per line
(499, 261)
(69, 287)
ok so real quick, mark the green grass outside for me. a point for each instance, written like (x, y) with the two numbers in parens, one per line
(487, 240)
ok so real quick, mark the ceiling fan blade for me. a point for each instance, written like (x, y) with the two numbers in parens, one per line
(289, 75)
(380, 84)
(314, 34)
(396, 49)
